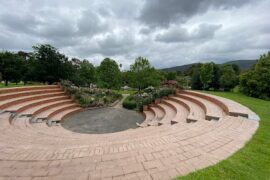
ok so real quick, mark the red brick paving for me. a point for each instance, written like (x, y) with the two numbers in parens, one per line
(36, 151)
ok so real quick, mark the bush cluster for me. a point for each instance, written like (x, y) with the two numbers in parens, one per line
(130, 103)
(137, 101)
(91, 97)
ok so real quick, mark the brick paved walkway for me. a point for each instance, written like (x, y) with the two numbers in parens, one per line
(36, 151)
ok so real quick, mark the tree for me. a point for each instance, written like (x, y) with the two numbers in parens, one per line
(12, 67)
(194, 73)
(171, 75)
(215, 84)
(256, 82)
(109, 75)
(143, 75)
(30, 70)
(196, 82)
(229, 78)
(87, 72)
(207, 75)
(52, 65)
(236, 69)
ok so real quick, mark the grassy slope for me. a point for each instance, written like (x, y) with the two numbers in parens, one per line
(252, 161)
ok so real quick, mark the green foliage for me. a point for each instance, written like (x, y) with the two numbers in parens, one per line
(147, 97)
(11, 67)
(52, 65)
(215, 84)
(142, 74)
(256, 82)
(184, 82)
(91, 97)
(85, 73)
(212, 76)
(207, 75)
(109, 75)
(196, 82)
(171, 75)
(229, 78)
(130, 103)
(163, 92)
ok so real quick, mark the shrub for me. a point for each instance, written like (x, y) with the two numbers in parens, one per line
(138, 101)
(130, 103)
(90, 97)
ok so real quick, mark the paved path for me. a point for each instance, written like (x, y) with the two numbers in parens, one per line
(119, 104)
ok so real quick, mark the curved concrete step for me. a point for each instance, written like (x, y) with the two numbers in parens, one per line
(10, 102)
(159, 115)
(51, 111)
(230, 107)
(27, 88)
(196, 113)
(65, 113)
(212, 110)
(210, 98)
(149, 116)
(181, 111)
(19, 108)
(170, 113)
(27, 93)
(44, 106)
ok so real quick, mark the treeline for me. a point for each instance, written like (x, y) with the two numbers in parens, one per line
(47, 65)
(211, 76)
(256, 81)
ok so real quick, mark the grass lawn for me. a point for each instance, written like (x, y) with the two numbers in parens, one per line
(253, 160)
(125, 91)
(10, 85)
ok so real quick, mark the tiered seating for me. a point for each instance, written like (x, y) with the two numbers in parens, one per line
(167, 145)
(212, 111)
(40, 102)
(191, 106)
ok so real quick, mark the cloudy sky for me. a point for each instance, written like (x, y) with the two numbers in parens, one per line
(168, 33)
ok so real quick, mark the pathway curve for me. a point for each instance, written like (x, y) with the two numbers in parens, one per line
(119, 105)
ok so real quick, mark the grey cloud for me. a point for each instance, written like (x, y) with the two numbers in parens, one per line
(179, 34)
(20, 23)
(90, 23)
(162, 13)
(168, 33)
(114, 44)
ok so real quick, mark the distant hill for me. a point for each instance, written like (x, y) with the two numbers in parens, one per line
(243, 65)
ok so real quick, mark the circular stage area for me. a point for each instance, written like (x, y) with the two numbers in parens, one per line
(101, 121)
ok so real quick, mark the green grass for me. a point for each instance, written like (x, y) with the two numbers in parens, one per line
(2, 85)
(10, 85)
(253, 160)
(125, 91)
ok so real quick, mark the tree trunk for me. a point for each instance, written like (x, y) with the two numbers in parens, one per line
(6, 82)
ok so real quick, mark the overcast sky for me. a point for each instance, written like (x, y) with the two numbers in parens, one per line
(168, 33)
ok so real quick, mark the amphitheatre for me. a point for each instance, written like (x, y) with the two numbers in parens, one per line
(180, 133)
